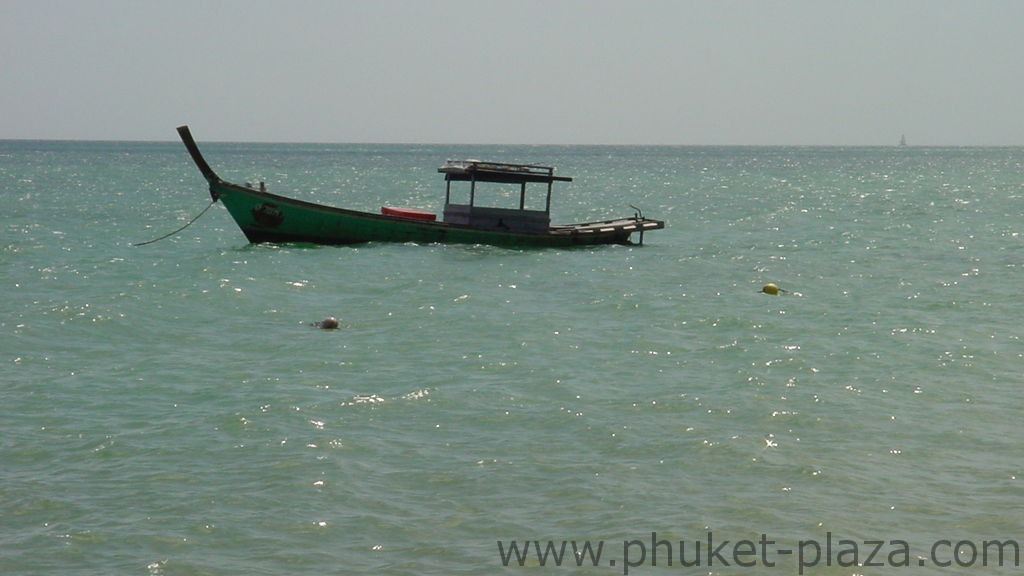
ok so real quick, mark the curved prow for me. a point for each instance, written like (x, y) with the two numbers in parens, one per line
(197, 157)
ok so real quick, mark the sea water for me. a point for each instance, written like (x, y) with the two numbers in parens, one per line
(169, 408)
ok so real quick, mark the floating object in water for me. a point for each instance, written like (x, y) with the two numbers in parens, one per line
(329, 323)
(772, 289)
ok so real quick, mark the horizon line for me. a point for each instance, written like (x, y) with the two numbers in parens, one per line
(553, 144)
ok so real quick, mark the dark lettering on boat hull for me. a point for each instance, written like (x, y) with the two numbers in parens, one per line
(267, 215)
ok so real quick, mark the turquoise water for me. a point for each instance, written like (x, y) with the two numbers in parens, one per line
(168, 409)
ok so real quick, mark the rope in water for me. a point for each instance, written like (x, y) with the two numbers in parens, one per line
(169, 234)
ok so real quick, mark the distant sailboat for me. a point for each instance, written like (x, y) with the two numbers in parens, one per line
(903, 140)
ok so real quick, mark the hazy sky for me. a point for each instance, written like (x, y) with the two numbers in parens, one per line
(531, 72)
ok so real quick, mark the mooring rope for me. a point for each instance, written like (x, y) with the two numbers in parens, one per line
(168, 235)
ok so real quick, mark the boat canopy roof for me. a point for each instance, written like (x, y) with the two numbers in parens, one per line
(480, 171)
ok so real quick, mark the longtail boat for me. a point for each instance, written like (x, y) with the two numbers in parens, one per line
(267, 217)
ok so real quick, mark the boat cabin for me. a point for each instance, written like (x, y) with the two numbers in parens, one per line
(478, 173)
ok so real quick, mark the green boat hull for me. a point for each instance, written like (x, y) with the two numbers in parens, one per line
(266, 217)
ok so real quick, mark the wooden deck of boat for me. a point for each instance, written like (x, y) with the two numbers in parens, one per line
(624, 224)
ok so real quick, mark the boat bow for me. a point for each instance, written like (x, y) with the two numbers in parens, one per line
(197, 157)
